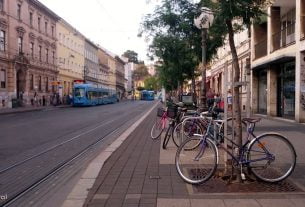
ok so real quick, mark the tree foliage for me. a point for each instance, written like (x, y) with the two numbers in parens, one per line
(141, 72)
(176, 42)
(132, 56)
(235, 15)
(151, 83)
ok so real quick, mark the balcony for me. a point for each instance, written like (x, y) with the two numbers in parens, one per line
(260, 49)
(283, 38)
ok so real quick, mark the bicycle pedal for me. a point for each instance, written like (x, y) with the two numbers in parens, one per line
(243, 176)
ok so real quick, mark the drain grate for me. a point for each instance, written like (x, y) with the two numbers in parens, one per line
(218, 185)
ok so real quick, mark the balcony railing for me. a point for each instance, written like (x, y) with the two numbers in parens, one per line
(283, 38)
(260, 49)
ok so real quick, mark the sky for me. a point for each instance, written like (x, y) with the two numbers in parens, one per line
(113, 24)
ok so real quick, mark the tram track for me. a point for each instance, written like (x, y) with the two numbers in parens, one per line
(111, 129)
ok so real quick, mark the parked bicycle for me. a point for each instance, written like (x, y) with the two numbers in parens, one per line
(270, 157)
(191, 126)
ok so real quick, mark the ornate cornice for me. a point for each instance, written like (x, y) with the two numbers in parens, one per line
(40, 40)
(47, 43)
(32, 36)
(3, 23)
(53, 45)
(20, 31)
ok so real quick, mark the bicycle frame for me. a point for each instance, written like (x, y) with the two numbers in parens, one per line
(242, 151)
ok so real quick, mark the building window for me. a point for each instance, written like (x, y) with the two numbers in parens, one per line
(19, 11)
(32, 82)
(39, 24)
(2, 78)
(39, 83)
(53, 87)
(46, 27)
(1, 5)
(40, 51)
(2, 40)
(20, 44)
(32, 49)
(47, 55)
(52, 30)
(47, 84)
(31, 18)
(53, 57)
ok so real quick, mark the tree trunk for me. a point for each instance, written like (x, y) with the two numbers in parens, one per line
(236, 86)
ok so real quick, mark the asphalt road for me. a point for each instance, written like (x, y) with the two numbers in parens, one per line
(25, 135)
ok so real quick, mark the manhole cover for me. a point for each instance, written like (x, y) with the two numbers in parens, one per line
(218, 185)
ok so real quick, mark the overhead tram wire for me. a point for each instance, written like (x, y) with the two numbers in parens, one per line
(111, 18)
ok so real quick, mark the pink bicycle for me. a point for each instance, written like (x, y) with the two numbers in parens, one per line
(160, 124)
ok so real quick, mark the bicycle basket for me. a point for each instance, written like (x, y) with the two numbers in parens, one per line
(172, 112)
(160, 112)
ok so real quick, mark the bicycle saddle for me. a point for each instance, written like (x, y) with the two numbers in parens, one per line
(252, 120)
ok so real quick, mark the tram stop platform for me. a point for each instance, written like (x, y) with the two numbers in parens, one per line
(136, 171)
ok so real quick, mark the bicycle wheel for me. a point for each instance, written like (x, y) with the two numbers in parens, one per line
(157, 128)
(189, 130)
(271, 157)
(199, 164)
(167, 136)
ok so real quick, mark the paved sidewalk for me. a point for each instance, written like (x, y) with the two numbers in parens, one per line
(140, 173)
(4, 111)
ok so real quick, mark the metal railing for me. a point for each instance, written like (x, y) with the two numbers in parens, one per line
(283, 38)
(260, 49)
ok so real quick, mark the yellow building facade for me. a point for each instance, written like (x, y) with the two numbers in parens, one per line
(112, 70)
(71, 60)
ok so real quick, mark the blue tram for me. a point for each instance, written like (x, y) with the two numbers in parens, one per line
(88, 95)
(147, 95)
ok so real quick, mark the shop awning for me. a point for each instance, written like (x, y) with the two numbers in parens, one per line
(277, 60)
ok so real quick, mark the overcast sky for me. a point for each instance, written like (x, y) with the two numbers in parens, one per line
(114, 24)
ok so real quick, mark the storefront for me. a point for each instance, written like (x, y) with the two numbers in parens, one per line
(286, 90)
(262, 91)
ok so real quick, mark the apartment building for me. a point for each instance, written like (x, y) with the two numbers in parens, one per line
(27, 52)
(71, 59)
(120, 76)
(278, 61)
(104, 68)
(129, 68)
(92, 68)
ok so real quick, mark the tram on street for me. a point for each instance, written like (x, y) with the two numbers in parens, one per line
(89, 95)
(147, 95)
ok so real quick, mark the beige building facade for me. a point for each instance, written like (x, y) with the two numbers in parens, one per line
(27, 53)
(278, 61)
(71, 59)
(120, 76)
(112, 71)
(222, 63)
(104, 68)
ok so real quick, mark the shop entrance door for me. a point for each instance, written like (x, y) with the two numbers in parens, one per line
(286, 91)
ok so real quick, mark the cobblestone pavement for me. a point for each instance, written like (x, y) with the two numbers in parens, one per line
(140, 173)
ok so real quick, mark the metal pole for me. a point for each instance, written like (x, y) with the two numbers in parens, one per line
(248, 85)
(226, 112)
(203, 74)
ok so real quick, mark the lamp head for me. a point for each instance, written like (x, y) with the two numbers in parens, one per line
(205, 19)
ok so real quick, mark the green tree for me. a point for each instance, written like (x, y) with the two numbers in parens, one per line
(176, 42)
(132, 56)
(236, 15)
(141, 72)
(151, 83)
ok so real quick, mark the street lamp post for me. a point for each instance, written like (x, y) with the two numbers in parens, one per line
(203, 22)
